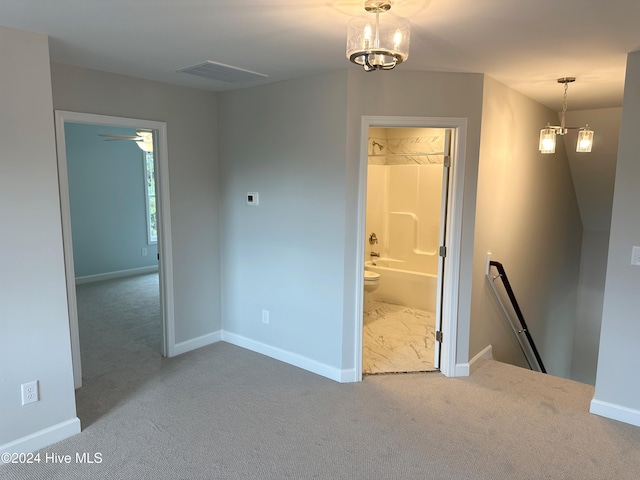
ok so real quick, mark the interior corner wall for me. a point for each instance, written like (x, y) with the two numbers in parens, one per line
(34, 321)
(527, 216)
(593, 269)
(191, 117)
(286, 142)
(107, 181)
(413, 94)
(617, 393)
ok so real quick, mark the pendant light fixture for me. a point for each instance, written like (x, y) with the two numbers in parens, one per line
(378, 40)
(548, 134)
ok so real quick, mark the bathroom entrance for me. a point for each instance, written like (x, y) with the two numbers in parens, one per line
(407, 186)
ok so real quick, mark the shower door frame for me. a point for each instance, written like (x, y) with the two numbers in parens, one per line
(451, 276)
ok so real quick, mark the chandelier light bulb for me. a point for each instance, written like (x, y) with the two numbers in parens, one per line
(367, 36)
(397, 39)
(547, 140)
(585, 140)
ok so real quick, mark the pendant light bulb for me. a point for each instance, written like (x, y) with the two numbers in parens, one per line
(547, 140)
(585, 140)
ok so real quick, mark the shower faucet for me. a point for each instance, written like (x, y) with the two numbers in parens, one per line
(374, 254)
(373, 238)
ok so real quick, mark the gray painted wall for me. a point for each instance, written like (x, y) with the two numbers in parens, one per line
(108, 202)
(297, 143)
(29, 191)
(616, 379)
(34, 343)
(193, 169)
(593, 270)
(285, 141)
(528, 218)
(594, 177)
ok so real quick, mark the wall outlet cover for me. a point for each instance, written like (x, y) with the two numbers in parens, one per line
(30, 392)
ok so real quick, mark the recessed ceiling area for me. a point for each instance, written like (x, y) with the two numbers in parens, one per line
(525, 45)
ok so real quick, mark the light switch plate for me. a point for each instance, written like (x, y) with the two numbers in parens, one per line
(635, 256)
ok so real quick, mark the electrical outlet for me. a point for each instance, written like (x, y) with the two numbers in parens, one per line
(635, 256)
(265, 316)
(30, 392)
(144, 252)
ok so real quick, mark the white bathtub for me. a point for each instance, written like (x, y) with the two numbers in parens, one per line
(402, 286)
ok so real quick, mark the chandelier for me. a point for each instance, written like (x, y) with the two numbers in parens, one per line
(548, 134)
(378, 40)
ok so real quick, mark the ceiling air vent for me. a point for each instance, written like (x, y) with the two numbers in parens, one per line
(223, 73)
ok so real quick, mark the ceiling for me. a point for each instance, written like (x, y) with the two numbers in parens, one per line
(525, 45)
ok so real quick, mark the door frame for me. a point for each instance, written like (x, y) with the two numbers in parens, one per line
(451, 280)
(165, 269)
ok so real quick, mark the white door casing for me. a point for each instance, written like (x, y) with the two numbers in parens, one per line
(164, 225)
(452, 233)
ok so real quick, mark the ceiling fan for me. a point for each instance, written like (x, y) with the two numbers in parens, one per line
(143, 138)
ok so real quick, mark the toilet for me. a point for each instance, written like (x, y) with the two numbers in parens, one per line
(371, 283)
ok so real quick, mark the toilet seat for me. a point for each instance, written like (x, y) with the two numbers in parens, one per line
(370, 276)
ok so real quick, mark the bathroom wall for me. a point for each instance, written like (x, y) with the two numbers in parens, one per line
(404, 196)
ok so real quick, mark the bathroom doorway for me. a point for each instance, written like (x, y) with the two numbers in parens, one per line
(405, 228)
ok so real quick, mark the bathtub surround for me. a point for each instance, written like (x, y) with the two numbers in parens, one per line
(403, 287)
(406, 146)
(404, 195)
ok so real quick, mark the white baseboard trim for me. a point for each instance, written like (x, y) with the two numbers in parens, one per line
(615, 412)
(202, 341)
(291, 358)
(466, 369)
(42, 438)
(118, 274)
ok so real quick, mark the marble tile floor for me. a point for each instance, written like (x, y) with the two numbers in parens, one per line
(397, 339)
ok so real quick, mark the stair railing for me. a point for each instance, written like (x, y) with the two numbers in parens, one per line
(521, 331)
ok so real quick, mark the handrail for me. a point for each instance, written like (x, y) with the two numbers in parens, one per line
(532, 356)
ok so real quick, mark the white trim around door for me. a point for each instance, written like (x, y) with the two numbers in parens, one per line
(453, 235)
(164, 225)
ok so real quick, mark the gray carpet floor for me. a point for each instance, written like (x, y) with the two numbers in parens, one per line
(223, 412)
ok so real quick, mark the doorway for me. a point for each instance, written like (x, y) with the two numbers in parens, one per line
(407, 191)
(449, 228)
(158, 225)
